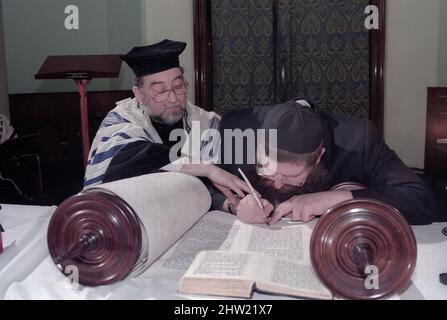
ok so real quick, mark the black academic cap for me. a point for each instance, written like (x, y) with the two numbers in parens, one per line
(154, 58)
(299, 128)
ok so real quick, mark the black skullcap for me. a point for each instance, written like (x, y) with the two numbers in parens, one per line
(299, 128)
(154, 58)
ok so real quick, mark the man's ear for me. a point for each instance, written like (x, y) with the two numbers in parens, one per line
(323, 150)
(136, 93)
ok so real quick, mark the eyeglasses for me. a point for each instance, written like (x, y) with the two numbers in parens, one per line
(163, 95)
(283, 180)
(288, 180)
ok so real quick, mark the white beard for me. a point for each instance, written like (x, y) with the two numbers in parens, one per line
(165, 117)
(169, 118)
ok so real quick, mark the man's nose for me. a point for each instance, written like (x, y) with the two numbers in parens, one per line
(278, 184)
(172, 96)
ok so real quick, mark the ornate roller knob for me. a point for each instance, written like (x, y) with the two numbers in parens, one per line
(358, 239)
(98, 233)
(348, 186)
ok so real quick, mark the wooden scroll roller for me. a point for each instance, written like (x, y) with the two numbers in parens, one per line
(98, 233)
(360, 239)
(117, 229)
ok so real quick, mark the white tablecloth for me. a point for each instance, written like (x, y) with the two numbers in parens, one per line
(27, 271)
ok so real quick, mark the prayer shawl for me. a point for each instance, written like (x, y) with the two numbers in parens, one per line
(128, 123)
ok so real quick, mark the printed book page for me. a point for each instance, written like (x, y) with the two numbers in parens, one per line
(218, 272)
(219, 230)
(215, 231)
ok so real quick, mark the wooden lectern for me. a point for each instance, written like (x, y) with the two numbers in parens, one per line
(82, 69)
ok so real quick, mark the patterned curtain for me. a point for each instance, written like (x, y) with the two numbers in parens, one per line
(324, 49)
(243, 42)
(269, 51)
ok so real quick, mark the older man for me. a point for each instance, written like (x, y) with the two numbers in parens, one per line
(313, 152)
(138, 136)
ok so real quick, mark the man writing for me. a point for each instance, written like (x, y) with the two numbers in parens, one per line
(135, 137)
(313, 152)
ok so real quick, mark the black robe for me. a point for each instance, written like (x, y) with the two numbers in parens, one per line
(355, 152)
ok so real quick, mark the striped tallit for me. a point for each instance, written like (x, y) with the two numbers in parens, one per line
(128, 123)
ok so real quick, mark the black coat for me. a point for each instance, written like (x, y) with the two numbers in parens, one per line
(355, 152)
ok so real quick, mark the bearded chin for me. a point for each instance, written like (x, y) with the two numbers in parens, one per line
(317, 181)
(168, 117)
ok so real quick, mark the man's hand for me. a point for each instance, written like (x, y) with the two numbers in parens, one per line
(308, 206)
(227, 183)
(248, 210)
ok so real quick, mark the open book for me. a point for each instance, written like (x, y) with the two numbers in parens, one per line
(266, 259)
(213, 253)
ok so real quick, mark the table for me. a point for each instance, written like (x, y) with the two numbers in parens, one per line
(27, 271)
